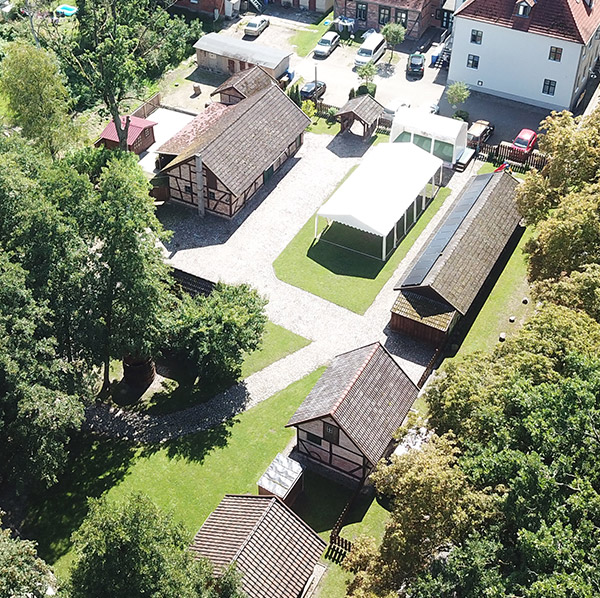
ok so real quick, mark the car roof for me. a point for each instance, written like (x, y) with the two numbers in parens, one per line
(526, 133)
(330, 35)
(257, 19)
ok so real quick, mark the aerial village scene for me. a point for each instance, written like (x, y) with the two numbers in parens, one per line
(300, 299)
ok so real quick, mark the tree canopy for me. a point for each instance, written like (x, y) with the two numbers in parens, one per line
(394, 34)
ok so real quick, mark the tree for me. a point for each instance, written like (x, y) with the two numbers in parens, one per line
(572, 147)
(457, 93)
(36, 97)
(22, 572)
(432, 504)
(366, 72)
(136, 550)
(308, 107)
(394, 34)
(117, 45)
(213, 333)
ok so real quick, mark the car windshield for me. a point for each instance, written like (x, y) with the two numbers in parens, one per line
(324, 42)
(521, 142)
(416, 60)
(365, 52)
(309, 86)
(251, 25)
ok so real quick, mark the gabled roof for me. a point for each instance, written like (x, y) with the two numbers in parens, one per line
(274, 550)
(368, 395)
(246, 82)
(232, 47)
(365, 107)
(238, 143)
(466, 244)
(571, 20)
(136, 126)
(432, 313)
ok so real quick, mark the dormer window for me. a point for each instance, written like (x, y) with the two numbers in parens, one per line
(523, 9)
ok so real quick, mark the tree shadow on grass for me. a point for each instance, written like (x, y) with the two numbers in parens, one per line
(95, 466)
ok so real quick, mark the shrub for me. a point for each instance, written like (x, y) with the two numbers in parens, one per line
(461, 115)
(331, 114)
(366, 88)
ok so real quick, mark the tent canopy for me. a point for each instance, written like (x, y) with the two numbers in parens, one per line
(378, 193)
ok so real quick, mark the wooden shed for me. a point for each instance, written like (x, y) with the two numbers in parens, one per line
(273, 549)
(347, 422)
(140, 135)
(242, 85)
(283, 478)
(365, 109)
(446, 275)
(221, 158)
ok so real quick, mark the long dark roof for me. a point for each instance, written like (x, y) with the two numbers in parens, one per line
(274, 550)
(435, 314)
(365, 107)
(456, 269)
(244, 139)
(246, 82)
(571, 20)
(368, 395)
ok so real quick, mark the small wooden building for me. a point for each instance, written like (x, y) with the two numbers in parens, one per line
(220, 159)
(140, 135)
(273, 549)
(242, 85)
(283, 478)
(347, 422)
(366, 109)
(449, 271)
(228, 54)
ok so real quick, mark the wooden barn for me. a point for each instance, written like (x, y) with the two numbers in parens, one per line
(347, 422)
(140, 135)
(273, 549)
(221, 158)
(444, 278)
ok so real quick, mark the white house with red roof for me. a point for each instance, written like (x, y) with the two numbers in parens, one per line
(538, 52)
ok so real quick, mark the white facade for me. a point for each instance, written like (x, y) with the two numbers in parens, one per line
(518, 65)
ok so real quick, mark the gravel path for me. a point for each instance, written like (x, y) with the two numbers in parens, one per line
(243, 251)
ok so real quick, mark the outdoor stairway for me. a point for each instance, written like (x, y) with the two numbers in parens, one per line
(258, 5)
(443, 59)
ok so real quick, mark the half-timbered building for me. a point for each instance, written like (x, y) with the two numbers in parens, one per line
(347, 422)
(221, 158)
(242, 85)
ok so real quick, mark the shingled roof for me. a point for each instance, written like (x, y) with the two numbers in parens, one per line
(435, 314)
(460, 263)
(136, 126)
(364, 107)
(238, 143)
(367, 394)
(572, 20)
(246, 82)
(274, 550)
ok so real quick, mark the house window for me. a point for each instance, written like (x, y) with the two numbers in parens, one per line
(549, 87)
(384, 15)
(473, 61)
(188, 188)
(361, 11)
(523, 9)
(146, 132)
(402, 17)
(476, 36)
(211, 195)
(313, 438)
(331, 433)
(555, 54)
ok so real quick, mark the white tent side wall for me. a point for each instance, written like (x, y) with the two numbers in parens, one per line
(416, 126)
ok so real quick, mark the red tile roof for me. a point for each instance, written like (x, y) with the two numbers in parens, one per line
(274, 550)
(136, 126)
(571, 20)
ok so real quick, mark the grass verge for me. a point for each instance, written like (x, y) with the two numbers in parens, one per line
(339, 275)
(306, 39)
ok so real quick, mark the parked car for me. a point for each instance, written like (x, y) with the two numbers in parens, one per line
(392, 107)
(525, 141)
(327, 44)
(479, 132)
(310, 91)
(256, 25)
(415, 65)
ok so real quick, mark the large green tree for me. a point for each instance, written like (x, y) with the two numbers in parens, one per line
(136, 550)
(117, 46)
(36, 98)
(394, 34)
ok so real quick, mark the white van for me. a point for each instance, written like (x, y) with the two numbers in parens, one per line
(372, 49)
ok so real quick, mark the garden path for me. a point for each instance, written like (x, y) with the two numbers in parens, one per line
(243, 251)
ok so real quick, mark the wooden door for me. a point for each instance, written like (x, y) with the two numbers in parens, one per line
(312, 5)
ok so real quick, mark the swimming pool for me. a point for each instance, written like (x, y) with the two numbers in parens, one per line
(66, 10)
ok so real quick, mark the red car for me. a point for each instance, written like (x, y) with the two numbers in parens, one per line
(525, 141)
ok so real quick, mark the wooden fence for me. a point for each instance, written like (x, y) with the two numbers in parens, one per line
(519, 161)
(148, 106)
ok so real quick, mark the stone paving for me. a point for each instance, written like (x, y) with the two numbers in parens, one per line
(243, 251)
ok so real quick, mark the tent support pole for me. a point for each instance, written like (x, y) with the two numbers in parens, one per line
(395, 235)
(383, 240)
(316, 224)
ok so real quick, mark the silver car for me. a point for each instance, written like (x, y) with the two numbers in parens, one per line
(327, 44)
(256, 25)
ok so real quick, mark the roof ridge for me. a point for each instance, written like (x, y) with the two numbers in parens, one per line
(256, 525)
(345, 392)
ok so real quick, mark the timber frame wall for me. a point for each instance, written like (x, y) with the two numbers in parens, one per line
(218, 199)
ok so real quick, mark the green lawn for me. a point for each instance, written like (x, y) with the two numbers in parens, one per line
(341, 276)
(187, 477)
(306, 39)
(180, 391)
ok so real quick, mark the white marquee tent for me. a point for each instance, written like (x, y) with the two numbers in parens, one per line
(382, 195)
(444, 137)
